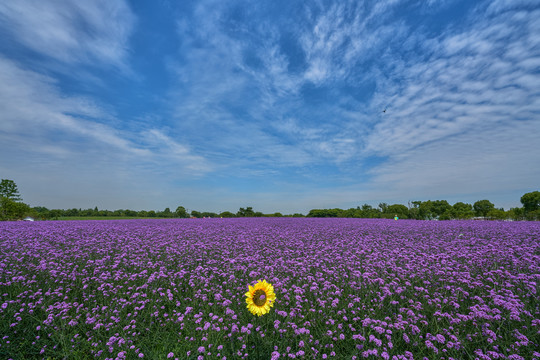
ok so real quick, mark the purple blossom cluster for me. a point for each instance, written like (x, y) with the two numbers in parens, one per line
(346, 289)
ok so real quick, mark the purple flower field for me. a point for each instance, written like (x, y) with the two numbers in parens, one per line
(345, 289)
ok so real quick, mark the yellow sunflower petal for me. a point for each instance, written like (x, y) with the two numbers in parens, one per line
(257, 304)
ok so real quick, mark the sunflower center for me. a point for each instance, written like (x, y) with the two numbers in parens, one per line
(259, 298)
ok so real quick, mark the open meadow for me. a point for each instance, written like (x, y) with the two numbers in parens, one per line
(345, 289)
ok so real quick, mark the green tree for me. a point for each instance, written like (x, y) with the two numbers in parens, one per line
(439, 207)
(165, 213)
(71, 212)
(398, 209)
(181, 212)
(482, 207)
(56, 213)
(350, 213)
(209, 214)
(8, 189)
(515, 214)
(414, 210)
(447, 215)
(11, 205)
(227, 214)
(533, 215)
(496, 214)
(324, 213)
(13, 210)
(462, 210)
(425, 210)
(530, 201)
(119, 212)
(131, 213)
(42, 212)
(369, 212)
(247, 212)
(101, 213)
(196, 214)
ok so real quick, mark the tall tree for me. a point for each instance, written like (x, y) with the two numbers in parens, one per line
(227, 214)
(181, 212)
(439, 207)
(8, 189)
(496, 214)
(462, 210)
(398, 209)
(530, 201)
(414, 210)
(482, 207)
(12, 210)
(425, 210)
(247, 212)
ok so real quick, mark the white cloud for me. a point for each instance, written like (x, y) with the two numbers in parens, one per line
(345, 35)
(34, 108)
(41, 125)
(471, 83)
(227, 105)
(80, 31)
(498, 6)
(463, 121)
(167, 148)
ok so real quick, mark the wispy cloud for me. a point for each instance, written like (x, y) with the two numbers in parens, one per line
(82, 32)
(465, 80)
(240, 84)
(45, 126)
(33, 108)
(277, 101)
(472, 81)
(345, 34)
(170, 150)
(461, 120)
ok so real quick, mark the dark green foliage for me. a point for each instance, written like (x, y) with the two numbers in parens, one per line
(325, 213)
(181, 212)
(482, 207)
(11, 207)
(531, 201)
(398, 210)
(439, 207)
(196, 214)
(8, 189)
(227, 214)
(462, 210)
(13, 210)
(247, 212)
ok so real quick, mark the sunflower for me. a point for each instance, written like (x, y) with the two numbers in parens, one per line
(260, 298)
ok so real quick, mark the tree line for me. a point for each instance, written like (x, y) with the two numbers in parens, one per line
(441, 210)
(12, 208)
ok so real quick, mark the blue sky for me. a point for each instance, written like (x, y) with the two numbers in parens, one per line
(216, 105)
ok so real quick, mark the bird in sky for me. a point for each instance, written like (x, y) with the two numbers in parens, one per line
(384, 111)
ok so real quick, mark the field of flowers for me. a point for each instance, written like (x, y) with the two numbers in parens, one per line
(345, 289)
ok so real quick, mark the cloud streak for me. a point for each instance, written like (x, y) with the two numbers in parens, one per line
(80, 32)
(278, 101)
(42, 131)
